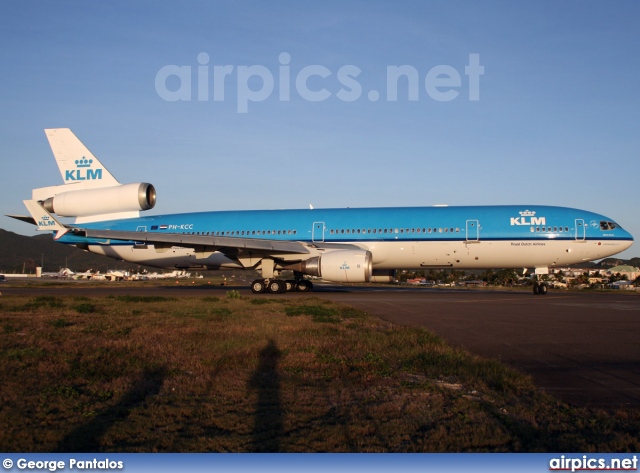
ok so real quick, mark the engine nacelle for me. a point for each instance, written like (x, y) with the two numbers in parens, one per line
(104, 200)
(339, 266)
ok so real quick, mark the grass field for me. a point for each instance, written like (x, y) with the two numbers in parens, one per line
(234, 374)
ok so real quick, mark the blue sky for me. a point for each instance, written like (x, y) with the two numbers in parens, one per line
(557, 121)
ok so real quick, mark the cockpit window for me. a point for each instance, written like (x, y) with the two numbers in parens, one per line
(607, 225)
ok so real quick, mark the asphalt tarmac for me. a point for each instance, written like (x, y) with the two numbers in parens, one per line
(581, 347)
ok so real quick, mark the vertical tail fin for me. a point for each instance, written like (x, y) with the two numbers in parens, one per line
(76, 163)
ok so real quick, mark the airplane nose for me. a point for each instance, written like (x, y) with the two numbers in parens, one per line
(630, 240)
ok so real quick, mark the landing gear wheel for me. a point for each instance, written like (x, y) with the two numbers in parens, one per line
(290, 285)
(276, 286)
(540, 289)
(304, 286)
(258, 286)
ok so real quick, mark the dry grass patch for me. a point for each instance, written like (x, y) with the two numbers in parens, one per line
(147, 374)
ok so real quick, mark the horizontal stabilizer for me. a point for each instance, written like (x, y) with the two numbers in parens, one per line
(44, 220)
(23, 218)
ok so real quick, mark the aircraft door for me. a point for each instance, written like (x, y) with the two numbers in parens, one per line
(140, 244)
(317, 233)
(473, 230)
(581, 230)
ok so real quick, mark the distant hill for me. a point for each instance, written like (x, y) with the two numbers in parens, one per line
(18, 251)
(612, 262)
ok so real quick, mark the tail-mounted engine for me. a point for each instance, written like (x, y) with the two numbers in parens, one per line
(104, 200)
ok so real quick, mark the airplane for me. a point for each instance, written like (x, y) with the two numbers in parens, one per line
(88, 274)
(172, 275)
(117, 275)
(338, 245)
(64, 273)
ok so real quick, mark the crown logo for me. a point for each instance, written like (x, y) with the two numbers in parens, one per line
(84, 162)
(45, 218)
(527, 213)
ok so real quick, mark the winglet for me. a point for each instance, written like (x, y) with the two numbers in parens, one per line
(44, 220)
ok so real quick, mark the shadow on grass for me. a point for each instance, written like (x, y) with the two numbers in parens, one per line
(87, 437)
(268, 422)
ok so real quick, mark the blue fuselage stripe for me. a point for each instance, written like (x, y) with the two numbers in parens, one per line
(421, 224)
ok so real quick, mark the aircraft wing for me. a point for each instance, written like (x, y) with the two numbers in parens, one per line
(212, 243)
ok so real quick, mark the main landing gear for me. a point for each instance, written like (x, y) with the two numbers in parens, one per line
(280, 286)
(540, 288)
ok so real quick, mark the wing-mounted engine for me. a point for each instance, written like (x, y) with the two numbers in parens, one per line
(338, 266)
(105, 200)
